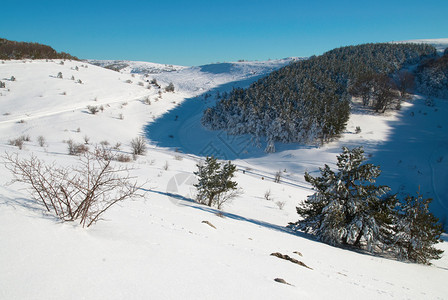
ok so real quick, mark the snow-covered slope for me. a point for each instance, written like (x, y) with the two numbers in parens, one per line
(440, 44)
(140, 67)
(159, 247)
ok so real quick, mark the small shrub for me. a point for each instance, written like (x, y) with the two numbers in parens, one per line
(123, 158)
(13, 78)
(170, 87)
(18, 142)
(267, 195)
(117, 146)
(358, 130)
(92, 109)
(60, 75)
(2, 85)
(278, 177)
(104, 143)
(41, 140)
(166, 166)
(76, 149)
(138, 145)
(280, 204)
(86, 140)
(128, 81)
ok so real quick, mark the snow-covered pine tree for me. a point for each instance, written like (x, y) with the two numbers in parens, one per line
(347, 207)
(417, 231)
(215, 186)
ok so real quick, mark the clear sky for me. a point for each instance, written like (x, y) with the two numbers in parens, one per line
(197, 32)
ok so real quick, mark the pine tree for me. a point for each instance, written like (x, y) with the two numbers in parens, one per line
(417, 231)
(347, 207)
(215, 186)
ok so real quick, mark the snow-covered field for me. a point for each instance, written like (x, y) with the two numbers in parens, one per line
(159, 247)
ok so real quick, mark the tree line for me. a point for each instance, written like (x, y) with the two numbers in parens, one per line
(24, 50)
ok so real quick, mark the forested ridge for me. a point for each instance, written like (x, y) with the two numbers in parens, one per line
(24, 50)
(309, 101)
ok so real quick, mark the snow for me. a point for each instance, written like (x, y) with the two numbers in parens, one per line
(440, 44)
(158, 247)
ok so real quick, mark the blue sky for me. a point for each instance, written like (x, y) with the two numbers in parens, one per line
(197, 32)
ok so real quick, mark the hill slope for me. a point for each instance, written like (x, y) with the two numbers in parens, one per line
(159, 247)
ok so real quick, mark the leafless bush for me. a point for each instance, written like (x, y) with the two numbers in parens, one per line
(280, 204)
(75, 148)
(78, 193)
(267, 195)
(166, 166)
(278, 177)
(93, 109)
(123, 158)
(18, 142)
(138, 145)
(41, 140)
(86, 140)
(117, 146)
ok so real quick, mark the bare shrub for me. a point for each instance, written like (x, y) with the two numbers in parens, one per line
(170, 87)
(82, 193)
(93, 109)
(123, 158)
(18, 142)
(41, 140)
(278, 177)
(280, 204)
(166, 166)
(138, 145)
(267, 195)
(117, 146)
(75, 148)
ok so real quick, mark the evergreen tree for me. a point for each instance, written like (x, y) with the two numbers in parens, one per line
(215, 186)
(417, 231)
(347, 207)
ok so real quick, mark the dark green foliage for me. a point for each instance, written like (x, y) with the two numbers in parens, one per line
(24, 50)
(417, 231)
(215, 186)
(345, 207)
(308, 101)
(349, 209)
(432, 77)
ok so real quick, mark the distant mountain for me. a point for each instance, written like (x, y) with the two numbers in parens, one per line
(439, 44)
(24, 50)
(135, 67)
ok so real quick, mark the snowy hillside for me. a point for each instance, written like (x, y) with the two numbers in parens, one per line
(141, 67)
(440, 44)
(159, 247)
